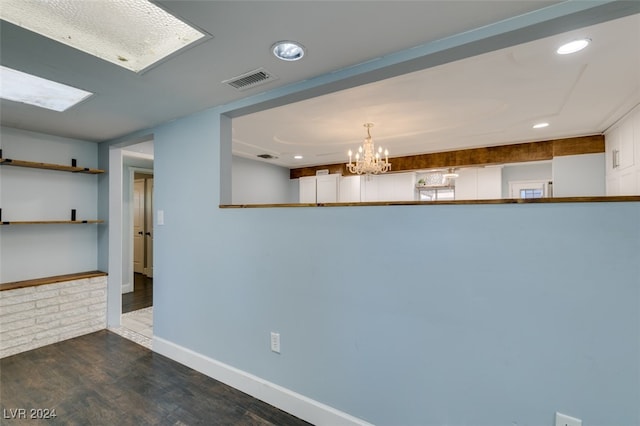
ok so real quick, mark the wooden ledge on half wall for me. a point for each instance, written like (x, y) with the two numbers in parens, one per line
(599, 199)
(51, 280)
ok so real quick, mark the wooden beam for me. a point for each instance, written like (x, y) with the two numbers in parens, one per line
(577, 146)
(503, 154)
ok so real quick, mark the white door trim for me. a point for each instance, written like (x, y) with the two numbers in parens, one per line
(115, 230)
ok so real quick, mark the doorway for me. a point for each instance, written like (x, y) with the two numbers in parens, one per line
(131, 314)
(141, 296)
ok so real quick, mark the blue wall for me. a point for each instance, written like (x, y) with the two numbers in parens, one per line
(403, 315)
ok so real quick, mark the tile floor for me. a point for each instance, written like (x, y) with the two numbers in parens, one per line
(137, 326)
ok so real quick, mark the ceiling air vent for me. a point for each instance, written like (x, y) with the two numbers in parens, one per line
(251, 79)
(267, 156)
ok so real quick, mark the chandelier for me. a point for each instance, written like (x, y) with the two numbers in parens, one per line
(368, 161)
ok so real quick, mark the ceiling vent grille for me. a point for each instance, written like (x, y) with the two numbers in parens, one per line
(251, 79)
(267, 156)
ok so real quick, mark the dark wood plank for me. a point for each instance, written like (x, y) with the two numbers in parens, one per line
(142, 295)
(49, 166)
(49, 222)
(102, 378)
(577, 146)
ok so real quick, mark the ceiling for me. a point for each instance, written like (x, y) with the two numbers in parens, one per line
(489, 99)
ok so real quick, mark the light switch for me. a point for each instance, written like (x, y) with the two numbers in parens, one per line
(160, 217)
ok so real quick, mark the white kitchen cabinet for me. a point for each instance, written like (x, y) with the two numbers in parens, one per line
(307, 189)
(349, 189)
(622, 146)
(327, 188)
(403, 186)
(369, 188)
(466, 184)
(489, 183)
(319, 189)
(628, 180)
(613, 185)
(389, 187)
(479, 183)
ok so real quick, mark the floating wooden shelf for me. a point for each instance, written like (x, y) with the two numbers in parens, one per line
(49, 166)
(48, 222)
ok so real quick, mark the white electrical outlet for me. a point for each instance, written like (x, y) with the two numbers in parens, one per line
(275, 342)
(564, 420)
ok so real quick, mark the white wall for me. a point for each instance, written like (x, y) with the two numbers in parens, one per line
(579, 175)
(34, 251)
(256, 182)
(541, 171)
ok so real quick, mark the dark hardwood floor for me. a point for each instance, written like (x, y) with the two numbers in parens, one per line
(104, 379)
(142, 295)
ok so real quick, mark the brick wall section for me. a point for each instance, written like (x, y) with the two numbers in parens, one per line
(32, 317)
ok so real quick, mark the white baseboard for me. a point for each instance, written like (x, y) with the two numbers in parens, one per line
(127, 287)
(300, 406)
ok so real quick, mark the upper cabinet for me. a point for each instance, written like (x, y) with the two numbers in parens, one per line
(623, 155)
(479, 183)
(388, 187)
(327, 188)
(319, 189)
(307, 190)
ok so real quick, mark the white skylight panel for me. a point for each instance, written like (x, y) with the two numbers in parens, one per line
(131, 33)
(29, 89)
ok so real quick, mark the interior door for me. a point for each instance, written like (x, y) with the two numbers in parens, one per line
(138, 225)
(149, 228)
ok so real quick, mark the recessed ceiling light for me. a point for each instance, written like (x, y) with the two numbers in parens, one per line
(573, 46)
(298, 157)
(133, 34)
(26, 88)
(540, 125)
(288, 50)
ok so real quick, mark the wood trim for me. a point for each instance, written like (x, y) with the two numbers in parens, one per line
(49, 166)
(514, 153)
(558, 200)
(48, 222)
(51, 280)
